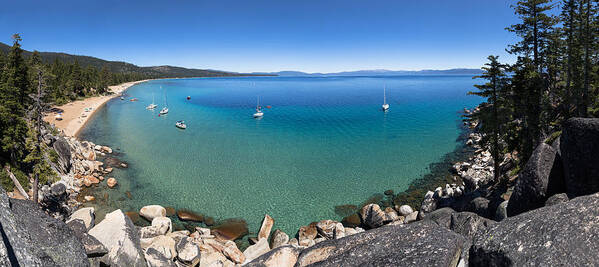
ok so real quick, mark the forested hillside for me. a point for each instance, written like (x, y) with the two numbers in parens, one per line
(554, 78)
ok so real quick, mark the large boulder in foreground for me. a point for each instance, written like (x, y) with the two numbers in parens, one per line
(118, 234)
(284, 256)
(579, 146)
(541, 178)
(564, 234)
(422, 243)
(32, 238)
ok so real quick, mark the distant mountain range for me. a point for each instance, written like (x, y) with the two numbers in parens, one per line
(379, 73)
(172, 71)
(124, 67)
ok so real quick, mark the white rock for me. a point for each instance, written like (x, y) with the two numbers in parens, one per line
(411, 217)
(279, 238)
(118, 234)
(256, 250)
(188, 252)
(164, 223)
(87, 215)
(266, 227)
(152, 211)
(165, 245)
(405, 210)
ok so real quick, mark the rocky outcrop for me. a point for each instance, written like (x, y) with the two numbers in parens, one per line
(564, 234)
(373, 216)
(266, 227)
(285, 256)
(541, 177)
(556, 199)
(63, 149)
(422, 243)
(579, 146)
(29, 237)
(118, 234)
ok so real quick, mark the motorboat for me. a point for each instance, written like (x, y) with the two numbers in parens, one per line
(181, 125)
(259, 113)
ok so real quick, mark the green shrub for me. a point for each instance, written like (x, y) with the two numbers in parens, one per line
(7, 183)
(554, 136)
(53, 156)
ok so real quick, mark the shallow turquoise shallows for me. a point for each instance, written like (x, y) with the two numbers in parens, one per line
(324, 142)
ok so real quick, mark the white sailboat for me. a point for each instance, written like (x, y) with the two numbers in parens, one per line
(385, 105)
(259, 113)
(164, 110)
(152, 106)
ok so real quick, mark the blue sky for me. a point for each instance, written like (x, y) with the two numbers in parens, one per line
(268, 35)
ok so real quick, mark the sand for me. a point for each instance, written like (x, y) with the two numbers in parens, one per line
(74, 115)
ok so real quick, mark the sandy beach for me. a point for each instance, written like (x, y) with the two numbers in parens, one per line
(76, 114)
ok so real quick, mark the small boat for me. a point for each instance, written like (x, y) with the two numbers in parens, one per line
(181, 125)
(163, 111)
(385, 105)
(188, 97)
(122, 98)
(58, 117)
(152, 106)
(259, 113)
(133, 99)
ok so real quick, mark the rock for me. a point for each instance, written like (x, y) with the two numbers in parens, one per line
(306, 234)
(373, 216)
(330, 229)
(186, 215)
(188, 252)
(429, 203)
(156, 259)
(422, 243)
(233, 253)
(411, 217)
(352, 220)
(87, 215)
(164, 223)
(93, 247)
(124, 165)
(563, 234)
(441, 217)
(346, 210)
(278, 238)
(165, 245)
(480, 206)
(294, 242)
(541, 177)
(404, 210)
(152, 211)
(556, 199)
(89, 198)
(203, 231)
(170, 211)
(231, 229)
(111, 182)
(266, 227)
(118, 234)
(32, 238)
(152, 231)
(108, 170)
(388, 192)
(209, 221)
(579, 149)
(63, 149)
(285, 256)
(501, 212)
(256, 250)
(106, 149)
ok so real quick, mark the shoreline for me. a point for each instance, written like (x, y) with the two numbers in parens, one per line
(76, 114)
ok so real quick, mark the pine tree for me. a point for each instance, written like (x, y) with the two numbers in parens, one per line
(492, 113)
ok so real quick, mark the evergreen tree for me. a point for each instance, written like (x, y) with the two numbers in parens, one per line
(492, 115)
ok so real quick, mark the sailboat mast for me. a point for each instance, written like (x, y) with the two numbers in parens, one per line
(385, 94)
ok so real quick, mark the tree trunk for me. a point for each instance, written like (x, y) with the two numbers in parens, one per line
(16, 182)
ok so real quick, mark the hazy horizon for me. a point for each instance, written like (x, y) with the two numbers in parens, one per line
(269, 36)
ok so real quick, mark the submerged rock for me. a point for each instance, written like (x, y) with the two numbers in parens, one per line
(346, 210)
(352, 220)
(231, 229)
(186, 215)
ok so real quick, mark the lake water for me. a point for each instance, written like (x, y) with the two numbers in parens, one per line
(325, 142)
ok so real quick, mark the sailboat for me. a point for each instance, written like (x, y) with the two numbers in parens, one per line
(164, 110)
(259, 113)
(152, 106)
(385, 105)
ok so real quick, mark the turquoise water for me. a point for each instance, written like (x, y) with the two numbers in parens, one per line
(324, 142)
